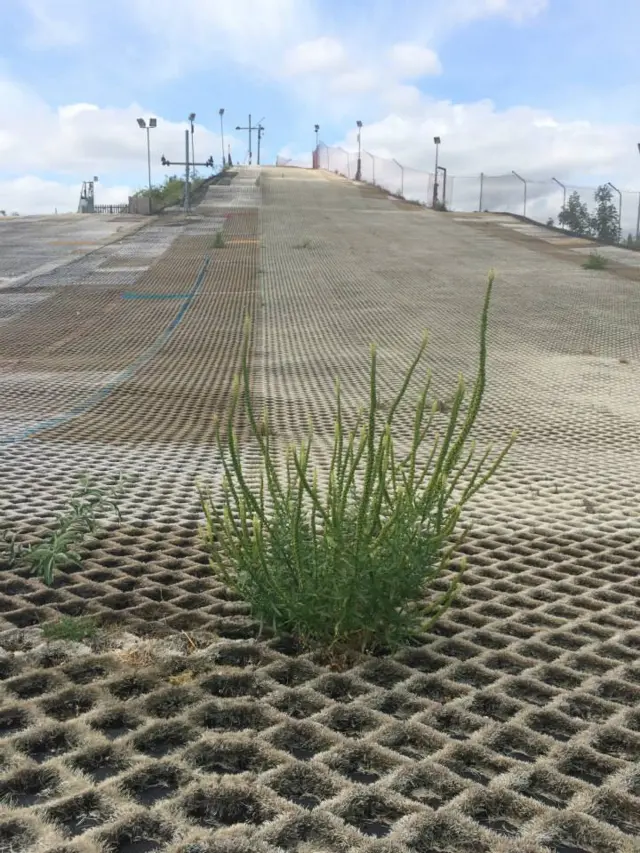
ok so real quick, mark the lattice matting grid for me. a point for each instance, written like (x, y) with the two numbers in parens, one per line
(514, 726)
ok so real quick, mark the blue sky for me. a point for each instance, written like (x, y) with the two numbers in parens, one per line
(539, 86)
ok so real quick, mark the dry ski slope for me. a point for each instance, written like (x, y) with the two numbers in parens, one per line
(513, 727)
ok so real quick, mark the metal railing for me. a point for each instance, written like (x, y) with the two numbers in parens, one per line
(111, 208)
(539, 200)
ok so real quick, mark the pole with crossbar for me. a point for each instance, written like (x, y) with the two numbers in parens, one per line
(208, 163)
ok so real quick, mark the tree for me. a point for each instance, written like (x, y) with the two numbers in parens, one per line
(575, 216)
(605, 223)
(550, 222)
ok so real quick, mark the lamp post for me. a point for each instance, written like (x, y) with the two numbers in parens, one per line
(142, 124)
(221, 113)
(192, 118)
(520, 178)
(564, 196)
(316, 127)
(359, 166)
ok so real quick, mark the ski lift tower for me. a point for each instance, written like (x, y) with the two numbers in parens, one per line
(86, 203)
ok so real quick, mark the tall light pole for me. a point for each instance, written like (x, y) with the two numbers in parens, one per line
(359, 166)
(436, 140)
(192, 118)
(221, 113)
(152, 123)
(316, 153)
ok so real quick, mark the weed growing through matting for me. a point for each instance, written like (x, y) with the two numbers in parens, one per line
(595, 261)
(218, 241)
(305, 244)
(353, 567)
(72, 628)
(73, 527)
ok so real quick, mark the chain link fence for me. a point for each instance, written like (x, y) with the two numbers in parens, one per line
(534, 199)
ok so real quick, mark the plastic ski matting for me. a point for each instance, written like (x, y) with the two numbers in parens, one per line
(512, 727)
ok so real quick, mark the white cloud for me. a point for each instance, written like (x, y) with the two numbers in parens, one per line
(413, 60)
(72, 110)
(477, 138)
(84, 139)
(465, 11)
(55, 23)
(312, 57)
(354, 82)
(199, 33)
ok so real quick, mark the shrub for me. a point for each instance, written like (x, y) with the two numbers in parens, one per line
(351, 567)
(595, 261)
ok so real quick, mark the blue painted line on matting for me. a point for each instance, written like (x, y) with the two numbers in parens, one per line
(102, 393)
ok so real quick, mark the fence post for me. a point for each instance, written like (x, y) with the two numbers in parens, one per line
(619, 209)
(401, 177)
(520, 178)
(373, 160)
(564, 196)
(186, 175)
(481, 191)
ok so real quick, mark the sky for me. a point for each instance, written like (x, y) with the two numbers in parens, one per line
(545, 88)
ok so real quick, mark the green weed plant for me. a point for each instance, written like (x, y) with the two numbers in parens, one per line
(595, 261)
(78, 523)
(350, 567)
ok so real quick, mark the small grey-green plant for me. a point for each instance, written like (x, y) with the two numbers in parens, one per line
(60, 547)
(218, 240)
(305, 244)
(72, 628)
(353, 567)
(595, 261)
